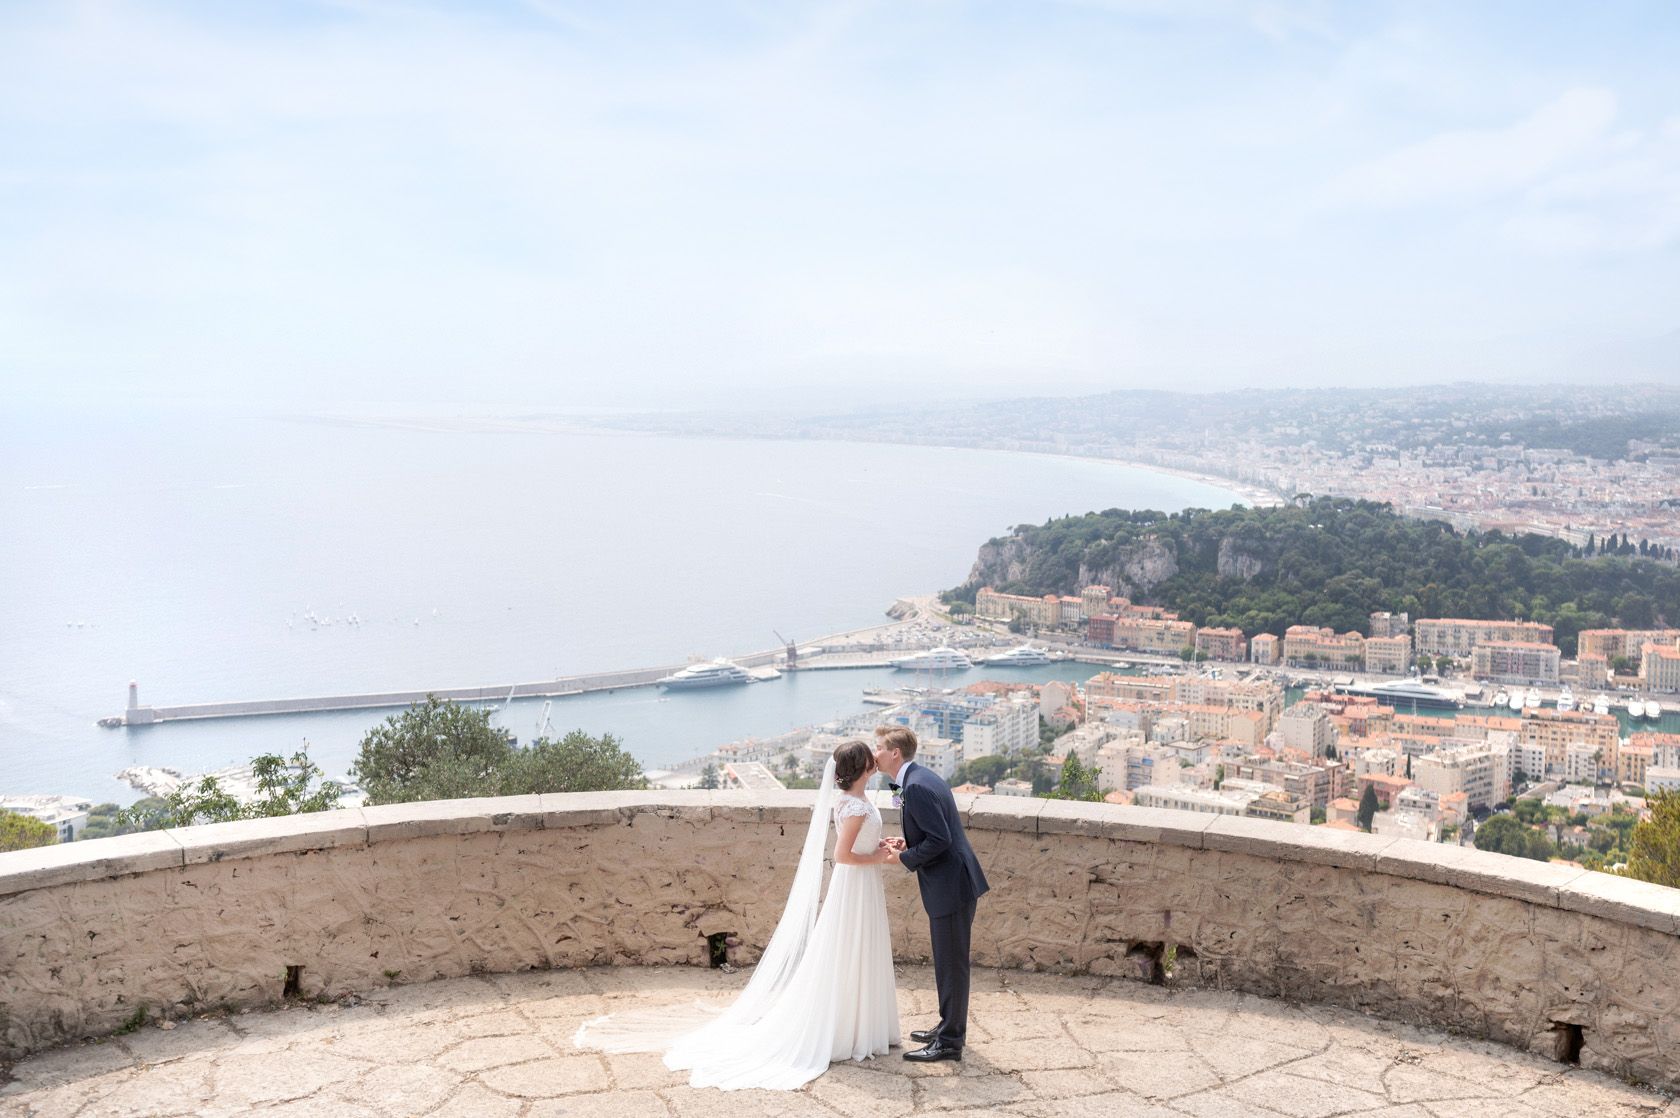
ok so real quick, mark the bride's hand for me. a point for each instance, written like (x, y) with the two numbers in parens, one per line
(888, 855)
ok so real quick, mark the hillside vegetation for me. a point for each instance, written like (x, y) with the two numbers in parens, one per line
(1328, 562)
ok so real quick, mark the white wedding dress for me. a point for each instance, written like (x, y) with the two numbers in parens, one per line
(824, 990)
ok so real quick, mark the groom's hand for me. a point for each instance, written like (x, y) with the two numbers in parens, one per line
(892, 844)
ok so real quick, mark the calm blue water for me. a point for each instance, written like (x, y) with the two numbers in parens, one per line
(182, 550)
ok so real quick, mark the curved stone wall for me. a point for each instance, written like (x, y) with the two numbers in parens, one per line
(1539, 956)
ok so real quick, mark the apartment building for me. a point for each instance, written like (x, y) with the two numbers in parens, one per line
(1387, 624)
(1631, 762)
(1515, 662)
(1265, 649)
(1308, 728)
(1045, 611)
(1477, 771)
(1110, 687)
(1659, 666)
(1145, 634)
(1307, 783)
(1280, 807)
(1007, 728)
(1553, 731)
(1222, 644)
(1223, 801)
(1626, 643)
(1389, 655)
(1307, 646)
(1456, 636)
(1265, 697)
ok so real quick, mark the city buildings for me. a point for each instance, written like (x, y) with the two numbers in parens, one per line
(1478, 771)
(1142, 634)
(68, 815)
(1045, 611)
(1222, 644)
(1659, 666)
(1389, 655)
(1265, 648)
(1515, 662)
(1308, 646)
(1308, 728)
(1625, 644)
(1387, 624)
(1456, 636)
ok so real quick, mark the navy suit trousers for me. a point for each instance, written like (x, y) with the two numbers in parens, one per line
(951, 935)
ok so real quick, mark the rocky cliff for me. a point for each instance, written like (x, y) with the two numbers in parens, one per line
(1130, 569)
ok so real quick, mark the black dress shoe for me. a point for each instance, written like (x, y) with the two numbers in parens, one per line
(924, 1036)
(933, 1052)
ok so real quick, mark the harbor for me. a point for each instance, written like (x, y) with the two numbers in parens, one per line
(875, 646)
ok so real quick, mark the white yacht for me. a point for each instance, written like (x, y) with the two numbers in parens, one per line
(1566, 699)
(1601, 704)
(1403, 694)
(1024, 657)
(1653, 709)
(1516, 700)
(1501, 698)
(942, 659)
(1532, 699)
(714, 673)
(1636, 708)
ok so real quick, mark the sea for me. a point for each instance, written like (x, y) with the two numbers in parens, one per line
(217, 555)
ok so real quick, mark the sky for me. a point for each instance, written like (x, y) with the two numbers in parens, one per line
(691, 205)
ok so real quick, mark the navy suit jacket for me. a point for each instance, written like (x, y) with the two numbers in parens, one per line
(935, 847)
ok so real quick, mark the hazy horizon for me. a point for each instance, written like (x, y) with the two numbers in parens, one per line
(819, 206)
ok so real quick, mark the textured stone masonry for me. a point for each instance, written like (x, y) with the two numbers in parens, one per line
(1040, 1046)
(205, 918)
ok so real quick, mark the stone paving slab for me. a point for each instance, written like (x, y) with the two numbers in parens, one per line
(500, 1046)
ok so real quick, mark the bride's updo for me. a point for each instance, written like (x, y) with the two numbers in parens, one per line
(852, 762)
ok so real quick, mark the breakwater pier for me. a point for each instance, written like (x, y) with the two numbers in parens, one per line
(856, 648)
(136, 714)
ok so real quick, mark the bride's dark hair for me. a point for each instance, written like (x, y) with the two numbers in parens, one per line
(851, 762)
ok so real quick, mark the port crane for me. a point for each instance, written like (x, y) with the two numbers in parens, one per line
(792, 650)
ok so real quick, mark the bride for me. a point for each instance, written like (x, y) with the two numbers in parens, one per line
(824, 989)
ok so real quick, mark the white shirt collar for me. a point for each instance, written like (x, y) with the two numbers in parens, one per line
(898, 777)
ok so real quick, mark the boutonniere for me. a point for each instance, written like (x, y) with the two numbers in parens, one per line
(897, 794)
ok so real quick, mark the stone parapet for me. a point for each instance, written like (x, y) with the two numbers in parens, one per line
(1531, 954)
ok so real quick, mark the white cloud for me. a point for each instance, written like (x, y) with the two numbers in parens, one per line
(1473, 165)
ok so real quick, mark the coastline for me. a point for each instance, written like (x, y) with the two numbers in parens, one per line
(1253, 495)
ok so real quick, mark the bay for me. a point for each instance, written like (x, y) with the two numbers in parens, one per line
(187, 550)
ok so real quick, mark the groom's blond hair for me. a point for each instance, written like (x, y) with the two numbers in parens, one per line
(901, 738)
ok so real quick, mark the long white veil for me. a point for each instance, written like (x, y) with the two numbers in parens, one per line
(685, 1034)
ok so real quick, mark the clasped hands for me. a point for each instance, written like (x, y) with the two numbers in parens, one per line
(889, 847)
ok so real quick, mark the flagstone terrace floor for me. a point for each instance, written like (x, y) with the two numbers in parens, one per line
(500, 1045)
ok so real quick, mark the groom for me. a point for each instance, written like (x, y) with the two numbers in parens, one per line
(935, 849)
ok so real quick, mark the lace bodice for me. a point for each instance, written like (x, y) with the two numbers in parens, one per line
(869, 835)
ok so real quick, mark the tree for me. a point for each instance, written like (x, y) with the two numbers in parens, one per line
(1654, 843)
(1506, 834)
(1367, 807)
(21, 832)
(435, 750)
(1443, 664)
(105, 820)
(284, 787)
(1078, 782)
(577, 762)
(439, 750)
(983, 770)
